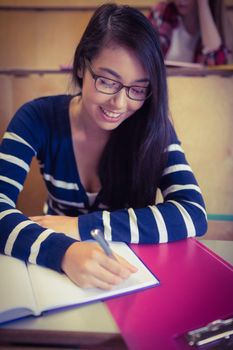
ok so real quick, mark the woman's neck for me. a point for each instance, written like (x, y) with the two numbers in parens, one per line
(88, 142)
(85, 127)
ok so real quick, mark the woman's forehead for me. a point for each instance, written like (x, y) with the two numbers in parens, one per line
(121, 60)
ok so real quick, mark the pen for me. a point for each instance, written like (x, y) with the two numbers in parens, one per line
(97, 234)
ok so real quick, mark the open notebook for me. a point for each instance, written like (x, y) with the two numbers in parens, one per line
(32, 289)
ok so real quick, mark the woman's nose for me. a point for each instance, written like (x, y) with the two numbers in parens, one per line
(120, 99)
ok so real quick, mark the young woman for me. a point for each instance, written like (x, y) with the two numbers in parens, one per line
(104, 153)
(191, 30)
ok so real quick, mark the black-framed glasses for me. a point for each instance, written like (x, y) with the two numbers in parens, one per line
(110, 86)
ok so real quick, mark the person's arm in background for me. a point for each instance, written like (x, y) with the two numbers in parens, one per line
(211, 39)
(213, 50)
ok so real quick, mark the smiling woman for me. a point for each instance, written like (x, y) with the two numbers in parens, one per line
(114, 101)
(104, 155)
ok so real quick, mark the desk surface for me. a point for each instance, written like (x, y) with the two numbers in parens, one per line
(129, 311)
(196, 289)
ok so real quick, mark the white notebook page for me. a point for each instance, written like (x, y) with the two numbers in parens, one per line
(53, 290)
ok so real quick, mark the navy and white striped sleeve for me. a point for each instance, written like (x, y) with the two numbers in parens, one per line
(182, 213)
(19, 236)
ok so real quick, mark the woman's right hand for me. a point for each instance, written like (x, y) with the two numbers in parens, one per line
(86, 264)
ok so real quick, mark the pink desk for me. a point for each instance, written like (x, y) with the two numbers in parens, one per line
(196, 288)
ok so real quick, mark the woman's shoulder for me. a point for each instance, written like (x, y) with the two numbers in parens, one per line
(40, 120)
(40, 114)
(43, 109)
(48, 103)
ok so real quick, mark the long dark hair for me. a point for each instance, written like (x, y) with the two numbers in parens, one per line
(133, 159)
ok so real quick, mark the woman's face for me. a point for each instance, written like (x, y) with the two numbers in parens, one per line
(109, 111)
(185, 7)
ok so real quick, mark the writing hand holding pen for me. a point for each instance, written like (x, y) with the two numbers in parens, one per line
(97, 234)
(90, 264)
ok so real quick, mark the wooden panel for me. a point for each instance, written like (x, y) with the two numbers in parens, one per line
(202, 112)
(40, 39)
(6, 102)
(76, 3)
(37, 39)
(14, 91)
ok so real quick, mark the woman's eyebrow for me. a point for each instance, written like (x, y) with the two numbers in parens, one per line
(116, 75)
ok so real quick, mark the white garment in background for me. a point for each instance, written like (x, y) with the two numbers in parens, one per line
(182, 45)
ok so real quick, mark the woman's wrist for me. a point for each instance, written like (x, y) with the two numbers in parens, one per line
(74, 230)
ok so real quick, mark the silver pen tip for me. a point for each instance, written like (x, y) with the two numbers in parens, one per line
(95, 232)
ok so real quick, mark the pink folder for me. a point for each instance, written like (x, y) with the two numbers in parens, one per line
(196, 288)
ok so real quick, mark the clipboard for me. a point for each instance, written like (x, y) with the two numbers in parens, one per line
(216, 335)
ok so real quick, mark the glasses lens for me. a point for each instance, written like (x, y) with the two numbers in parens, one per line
(138, 93)
(107, 86)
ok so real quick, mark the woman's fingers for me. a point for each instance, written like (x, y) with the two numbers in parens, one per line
(105, 268)
(126, 264)
(118, 266)
(85, 263)
(93, 282)
(102, 278)
(88, 266)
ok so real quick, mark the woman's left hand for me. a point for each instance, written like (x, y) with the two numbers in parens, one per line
(64, 224)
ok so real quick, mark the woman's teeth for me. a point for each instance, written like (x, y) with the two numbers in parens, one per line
(110, 114)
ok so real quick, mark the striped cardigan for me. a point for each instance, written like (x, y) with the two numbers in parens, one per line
(41, 128)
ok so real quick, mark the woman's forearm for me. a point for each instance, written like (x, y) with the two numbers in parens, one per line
(210, 36)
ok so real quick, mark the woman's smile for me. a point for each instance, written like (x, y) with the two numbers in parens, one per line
(111, 115)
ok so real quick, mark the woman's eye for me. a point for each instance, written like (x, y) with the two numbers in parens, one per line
(106, 82)
(138, 90)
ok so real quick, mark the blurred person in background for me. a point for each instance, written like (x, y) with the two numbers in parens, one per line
(192, 30)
